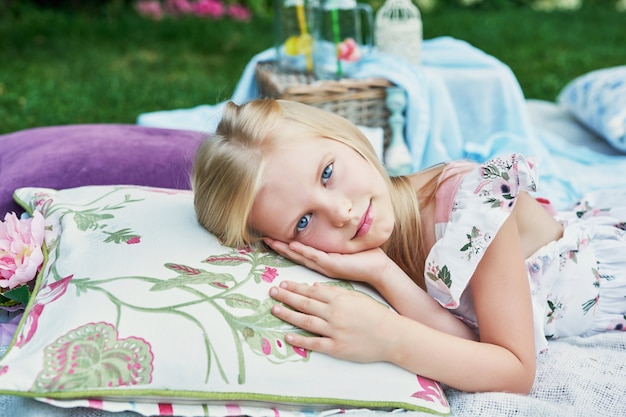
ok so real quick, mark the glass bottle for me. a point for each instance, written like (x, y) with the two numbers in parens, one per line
(293, 21)
(343, 35)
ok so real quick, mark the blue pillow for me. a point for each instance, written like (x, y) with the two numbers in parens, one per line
(598, 100)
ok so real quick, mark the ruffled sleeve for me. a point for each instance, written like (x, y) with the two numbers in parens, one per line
(483, 201)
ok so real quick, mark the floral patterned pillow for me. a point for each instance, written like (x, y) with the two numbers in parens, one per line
(598, 100)
(139, 308)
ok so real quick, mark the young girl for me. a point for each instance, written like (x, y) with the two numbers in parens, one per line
(496, 273)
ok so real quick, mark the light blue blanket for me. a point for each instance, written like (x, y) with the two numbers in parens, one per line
(462, 103)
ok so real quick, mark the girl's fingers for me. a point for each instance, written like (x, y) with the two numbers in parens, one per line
(285, 250)
(308, 306)
(316, 344)
(303, 321)
(298, 252)
(294, 292)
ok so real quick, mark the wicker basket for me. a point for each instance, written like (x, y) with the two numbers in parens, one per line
(360, 101)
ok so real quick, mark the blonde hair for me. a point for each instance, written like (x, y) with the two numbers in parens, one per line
(228, 170)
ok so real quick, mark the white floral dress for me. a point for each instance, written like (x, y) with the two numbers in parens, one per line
(578, 283)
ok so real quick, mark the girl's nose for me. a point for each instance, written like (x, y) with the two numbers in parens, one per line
(339, 210)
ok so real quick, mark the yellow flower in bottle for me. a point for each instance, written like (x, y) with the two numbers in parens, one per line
(299, 44)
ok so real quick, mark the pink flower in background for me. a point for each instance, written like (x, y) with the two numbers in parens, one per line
(20, 249)
(178, 6)
(213, 9)
(209, 8)
(238, 12)
(150, 8)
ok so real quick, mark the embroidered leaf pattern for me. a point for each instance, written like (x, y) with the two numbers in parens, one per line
(92, 219)
(93, 356)
(88, 220)
(264, 333)
(226, 260)
(217, 280)
(241, 301)
(121, 236)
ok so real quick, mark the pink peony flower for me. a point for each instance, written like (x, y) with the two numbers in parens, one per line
(20, 249)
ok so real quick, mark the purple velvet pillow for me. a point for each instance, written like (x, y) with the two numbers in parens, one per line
(99, 154)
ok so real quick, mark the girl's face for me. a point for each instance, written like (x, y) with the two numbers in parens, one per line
(324, 194)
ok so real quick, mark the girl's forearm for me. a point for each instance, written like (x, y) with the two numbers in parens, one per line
(411, 301)
(460, 363)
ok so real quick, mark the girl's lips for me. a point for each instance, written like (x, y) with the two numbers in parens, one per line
(365, 223)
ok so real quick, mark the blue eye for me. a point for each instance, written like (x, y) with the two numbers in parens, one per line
(327, 173)
(303, 222)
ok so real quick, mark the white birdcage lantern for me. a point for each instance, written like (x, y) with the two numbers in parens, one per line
(399, 30)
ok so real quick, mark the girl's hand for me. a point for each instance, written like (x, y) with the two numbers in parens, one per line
(350, 324)
(375, 268)
(369, 266)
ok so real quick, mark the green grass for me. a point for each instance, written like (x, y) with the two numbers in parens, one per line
(62, 68)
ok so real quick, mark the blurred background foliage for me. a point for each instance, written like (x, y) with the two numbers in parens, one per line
(96, 61)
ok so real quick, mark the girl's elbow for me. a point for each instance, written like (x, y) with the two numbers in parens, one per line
(518, 379)
(528, 380)
(524, 380)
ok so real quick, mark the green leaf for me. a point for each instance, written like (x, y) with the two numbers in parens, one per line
(242, 301)
(444, 275)
(264, 333)
(226, 260)
(184, 269)
(220, 281)
(432, 276)
(274, 260)
(121, 236)
(86, 220)
(20, 295)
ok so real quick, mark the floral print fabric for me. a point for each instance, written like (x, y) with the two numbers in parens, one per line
(578, 283)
